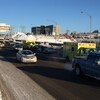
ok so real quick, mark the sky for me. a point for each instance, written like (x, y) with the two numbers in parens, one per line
(65, 13)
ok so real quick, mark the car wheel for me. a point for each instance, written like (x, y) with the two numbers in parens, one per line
(78, 71)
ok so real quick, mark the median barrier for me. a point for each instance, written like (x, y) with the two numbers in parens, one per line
(15, 85)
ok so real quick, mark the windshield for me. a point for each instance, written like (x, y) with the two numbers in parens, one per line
(85, 51)
(27, 52)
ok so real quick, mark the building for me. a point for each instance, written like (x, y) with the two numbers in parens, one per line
(35, 30)
(46, 30)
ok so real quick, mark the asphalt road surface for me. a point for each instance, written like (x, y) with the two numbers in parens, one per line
(57, 78)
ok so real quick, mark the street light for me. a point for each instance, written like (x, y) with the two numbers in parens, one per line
(90, 19)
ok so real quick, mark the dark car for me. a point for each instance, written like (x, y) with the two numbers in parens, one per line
(46, 49)
(17, 47)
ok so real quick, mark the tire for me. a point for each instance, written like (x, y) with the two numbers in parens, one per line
(78, 71)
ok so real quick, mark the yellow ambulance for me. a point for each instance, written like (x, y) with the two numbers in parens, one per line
(71, 49)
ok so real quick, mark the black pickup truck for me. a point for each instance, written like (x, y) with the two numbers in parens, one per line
(88, 65)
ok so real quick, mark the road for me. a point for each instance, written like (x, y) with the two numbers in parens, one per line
(60, 83)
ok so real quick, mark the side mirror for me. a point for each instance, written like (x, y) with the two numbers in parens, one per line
(34, 54)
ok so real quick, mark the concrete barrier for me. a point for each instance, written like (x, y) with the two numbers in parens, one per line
(15, 85)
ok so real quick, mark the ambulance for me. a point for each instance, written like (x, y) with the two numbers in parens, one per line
(71, 49)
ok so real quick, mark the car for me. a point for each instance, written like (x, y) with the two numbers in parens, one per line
(17, 47)
(2, 44)
(26, 56)
(46, 50)
(11, 43)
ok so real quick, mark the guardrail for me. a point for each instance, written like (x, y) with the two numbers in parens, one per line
(15, 85)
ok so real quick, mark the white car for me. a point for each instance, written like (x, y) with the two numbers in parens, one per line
(26, 56)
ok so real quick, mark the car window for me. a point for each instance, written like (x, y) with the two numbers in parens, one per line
(97, 58)
(93, 58)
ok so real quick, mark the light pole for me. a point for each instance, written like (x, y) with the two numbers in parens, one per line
(90, 19)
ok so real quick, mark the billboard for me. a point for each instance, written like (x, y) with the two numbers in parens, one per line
(4, 27)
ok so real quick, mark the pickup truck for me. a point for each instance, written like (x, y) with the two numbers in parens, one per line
(87, 65)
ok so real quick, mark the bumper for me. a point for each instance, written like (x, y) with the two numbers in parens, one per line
(29, 60)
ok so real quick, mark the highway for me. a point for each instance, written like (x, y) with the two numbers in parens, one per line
(57, 78)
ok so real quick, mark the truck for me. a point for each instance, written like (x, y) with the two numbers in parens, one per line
(88, 65)
(71, 49)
